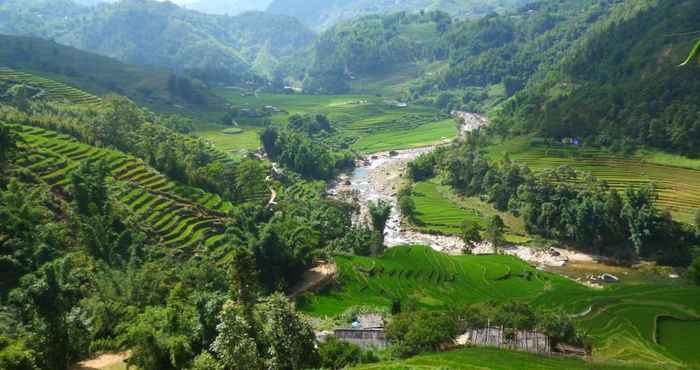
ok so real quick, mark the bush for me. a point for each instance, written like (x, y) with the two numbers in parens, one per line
(338, 355)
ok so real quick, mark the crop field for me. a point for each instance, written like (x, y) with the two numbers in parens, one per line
(681, 338)
(678, 185)
(369, 122)
(438, 209)
(621, 320)
(434, 280)
(182, 218)
(53, 90)
(491, 359)
(230, 142)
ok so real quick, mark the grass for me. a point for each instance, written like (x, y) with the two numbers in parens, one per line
(622, 322)
(54, 90)
(677, 178)
(490, 359)
(439, 209)
(367, 121)
(433, 280)
(681, 338)
(181, 217)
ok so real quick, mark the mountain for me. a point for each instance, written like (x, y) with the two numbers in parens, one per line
(147, 32)
(230, 7)
(321, 14)
(157, 88)
(621, 86)
(503, 50)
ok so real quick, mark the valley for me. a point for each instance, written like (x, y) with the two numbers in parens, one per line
(427, 184)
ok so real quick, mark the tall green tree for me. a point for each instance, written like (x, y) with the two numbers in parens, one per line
(471, 235)
(494, 232)
(379, 213)
(8, 144)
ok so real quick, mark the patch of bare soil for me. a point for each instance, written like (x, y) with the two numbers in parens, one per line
(103, 361)
(315, 278)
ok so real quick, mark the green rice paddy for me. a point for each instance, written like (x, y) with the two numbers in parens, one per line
(677, 178)
(54, 90)
(182, 218)
(370, 122)
(621, 320)
(439, 210)
(492, 359)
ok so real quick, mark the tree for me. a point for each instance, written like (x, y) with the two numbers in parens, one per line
(379, 213)
(407, 206)
(694, 270)
(471, 235)
(289, 339)
(8, 144)
(336, 354)
(244, 277)
(494, 231)
(234, 347)
(697, 221)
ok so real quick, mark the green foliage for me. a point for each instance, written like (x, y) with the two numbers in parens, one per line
(336, 354)
(694, 270)
(8, 144)
(379, 213)
(614, 95)
(15, 355)
(210, 47)
(422, 331)
(589, 214)
(234, 346)
(471, 235)
(495, 230)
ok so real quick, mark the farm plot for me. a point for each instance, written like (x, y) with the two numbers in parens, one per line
(182, 221)
(492, 359)
(678, 186)
(620, 320)
(53, 90)
(434, 280)
(368, 123)
(438, 210)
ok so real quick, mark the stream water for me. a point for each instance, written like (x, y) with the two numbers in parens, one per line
(381, 176)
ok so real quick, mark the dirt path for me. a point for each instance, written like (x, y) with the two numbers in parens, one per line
(103, 361)
(315, 278)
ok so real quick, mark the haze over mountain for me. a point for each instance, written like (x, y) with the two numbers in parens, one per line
(321, 14)
(161, 33)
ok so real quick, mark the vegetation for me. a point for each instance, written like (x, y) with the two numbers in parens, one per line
(492, 358)
(210, 47)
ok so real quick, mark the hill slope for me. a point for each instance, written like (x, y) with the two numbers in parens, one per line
(321, 14)
(155, 87)
(160, 33)
(621, 85)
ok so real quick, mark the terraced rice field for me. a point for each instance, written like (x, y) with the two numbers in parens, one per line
(368, 122)
(433, 280)
(678, 187)
(182, 219)
(439, 210)
(681, 338)
(621, 320)
(53, 90)
(492, 359)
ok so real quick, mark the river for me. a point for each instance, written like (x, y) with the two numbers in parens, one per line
(381, 175)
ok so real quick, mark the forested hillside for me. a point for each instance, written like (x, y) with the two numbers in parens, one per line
(322, 14)
(621, 85)
(156, 87)
(504, 50)
(162, 34)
